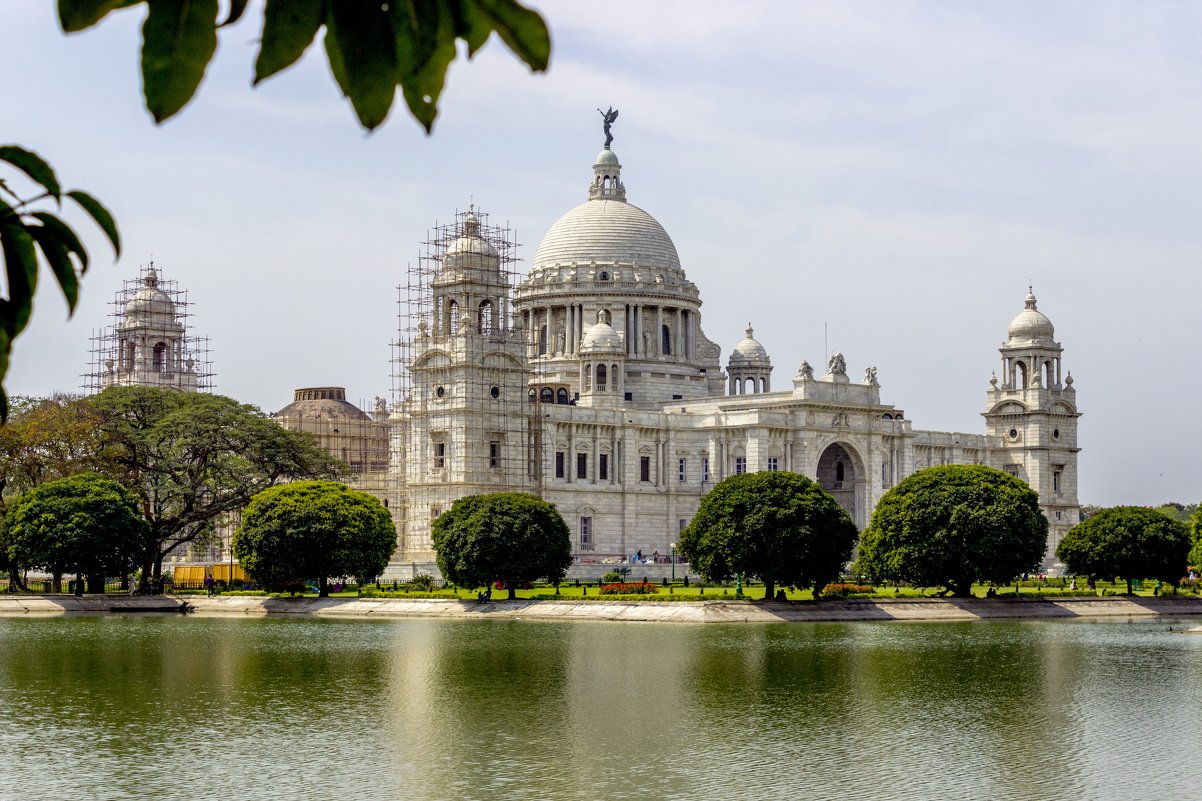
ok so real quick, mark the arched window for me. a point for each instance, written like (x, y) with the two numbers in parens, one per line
(588, 377)
(839, 470)
(127, 356)
(547, 395)
(160, 357)
(542, 340)
(485, 319)
(1020, 369)
(453, 317)
(601, 375)
(666, 336)
(613, 377)
(561, 397)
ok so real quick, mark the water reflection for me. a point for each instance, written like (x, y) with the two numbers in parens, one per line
(173, 708)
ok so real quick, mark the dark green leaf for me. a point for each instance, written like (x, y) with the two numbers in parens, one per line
(179, 38)
(65, 235)
(101, 215)
(522, 29)
(32, 165)
(471, 26)
(75, 15)
(5, 350)
(425, 47)
(289, 27)
(21, 267)
(362, 52)
(59, 259)
(237, 7)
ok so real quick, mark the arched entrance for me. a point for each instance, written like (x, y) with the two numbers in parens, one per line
(841, 474)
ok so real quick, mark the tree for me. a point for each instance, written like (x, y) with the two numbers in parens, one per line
(193, 458)
(84, 524)
(506, 536)
(27, 227)
(1195, 554)
(48, 438)
(1127, 541)
(372, 48)
(954, 525)
(314, 529)
(779, 527)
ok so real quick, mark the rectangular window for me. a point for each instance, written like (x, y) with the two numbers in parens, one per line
(644, 468)
(559, 468)
(440, 455)
(494, 455)
(1055, 481)
(773, 464)
(680, 524)
(586, 533)
(681, 469)
(582, 465)
(740, 465)
(705, 469)
(603, 467)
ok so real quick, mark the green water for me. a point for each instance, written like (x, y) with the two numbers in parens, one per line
(173, 708)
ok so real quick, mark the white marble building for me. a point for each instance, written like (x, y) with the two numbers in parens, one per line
(594, 385)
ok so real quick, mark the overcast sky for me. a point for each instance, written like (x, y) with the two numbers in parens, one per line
(896, 171)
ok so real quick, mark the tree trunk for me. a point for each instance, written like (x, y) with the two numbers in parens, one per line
(14, 579)
(770, 589)
(56, 581)
(513, 589)
(1128, 586)
(323, 588)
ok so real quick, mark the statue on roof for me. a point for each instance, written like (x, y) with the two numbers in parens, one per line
(609, 117)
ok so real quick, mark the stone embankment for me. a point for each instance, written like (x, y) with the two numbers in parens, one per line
(677, 612)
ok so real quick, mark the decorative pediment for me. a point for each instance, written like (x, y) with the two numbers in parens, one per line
(432, 359)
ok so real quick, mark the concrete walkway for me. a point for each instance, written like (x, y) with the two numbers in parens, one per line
(672, 612)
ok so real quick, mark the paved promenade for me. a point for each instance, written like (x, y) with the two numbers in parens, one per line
(673, 612)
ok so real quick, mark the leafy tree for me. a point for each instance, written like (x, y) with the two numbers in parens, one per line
(27, 228)
(953, 525)
(372, 48)
(193, 458)
(1195, 554)
(1178, 511)
(1127, 541)
(48, 438)
(314, 529)
(779, 527)
(84, 524)
(507, 536)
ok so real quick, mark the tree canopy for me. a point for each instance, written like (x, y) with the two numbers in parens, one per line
(1195, 554)
(372, 48)
(313, 529)
(193, 457)
(48, 438)
(1133, 542)
(84, 524)
(779, 527)
(507, 536)
(954, 525)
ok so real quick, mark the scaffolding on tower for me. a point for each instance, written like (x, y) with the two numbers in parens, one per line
(104, 356)
(461, 418)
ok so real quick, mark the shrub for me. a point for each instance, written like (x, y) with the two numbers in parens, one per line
(630, 588)
(612, 577)
(844, 590)
(423, 582)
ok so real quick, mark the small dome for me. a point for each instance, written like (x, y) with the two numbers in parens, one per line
(602, 338)
(327, 403)
(749, 351)
(471, 243)
(1031, 325)
(150, 299)
(606, 158)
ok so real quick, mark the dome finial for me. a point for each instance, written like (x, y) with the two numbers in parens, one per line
(608, 117)
(750, 331)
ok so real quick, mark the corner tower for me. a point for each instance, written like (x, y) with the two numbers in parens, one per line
(1031, 420)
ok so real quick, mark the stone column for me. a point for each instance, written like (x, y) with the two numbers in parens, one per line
(658, 336)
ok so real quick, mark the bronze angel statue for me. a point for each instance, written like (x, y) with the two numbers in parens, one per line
(609, 117)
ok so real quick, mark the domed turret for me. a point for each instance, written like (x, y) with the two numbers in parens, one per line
(1031, 325)
(150, 299)
(749, 367)
(602, 338)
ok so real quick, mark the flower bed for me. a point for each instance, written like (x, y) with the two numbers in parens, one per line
(630, 588)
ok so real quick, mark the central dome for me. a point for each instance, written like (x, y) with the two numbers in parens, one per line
(607, 231)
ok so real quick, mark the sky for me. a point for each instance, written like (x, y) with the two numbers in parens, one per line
(879, 178)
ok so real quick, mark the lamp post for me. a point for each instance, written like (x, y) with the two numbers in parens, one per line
(673, 546)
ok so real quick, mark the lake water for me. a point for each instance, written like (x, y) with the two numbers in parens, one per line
(173, 708)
